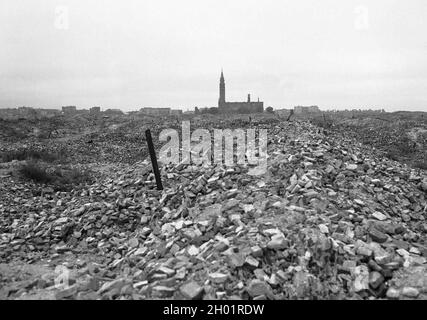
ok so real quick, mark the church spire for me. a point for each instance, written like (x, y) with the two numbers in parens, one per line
(221, 101)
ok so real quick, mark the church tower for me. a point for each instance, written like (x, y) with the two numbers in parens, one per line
(221, 101)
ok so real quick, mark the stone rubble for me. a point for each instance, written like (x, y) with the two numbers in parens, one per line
(331, 219)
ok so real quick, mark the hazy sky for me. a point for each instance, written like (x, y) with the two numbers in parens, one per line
(130, 54)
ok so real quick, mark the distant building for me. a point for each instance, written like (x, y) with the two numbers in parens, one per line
(283, 112)
(95, 110)
(302, 109)
(113, 112)
(27, 113)
(5, 114)
(176, 113)
(19, 113)
(69, 109)
(203, 109)
(236, 107)
(47, 113)
(156, 111)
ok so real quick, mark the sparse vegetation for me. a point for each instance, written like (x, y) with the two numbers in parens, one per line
(31, 154)
(61, 178)
(33, 171)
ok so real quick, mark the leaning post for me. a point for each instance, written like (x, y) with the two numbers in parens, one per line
(153, 159)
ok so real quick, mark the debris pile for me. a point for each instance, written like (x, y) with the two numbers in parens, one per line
(330, 219)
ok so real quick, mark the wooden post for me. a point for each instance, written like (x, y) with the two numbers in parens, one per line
(153, 159)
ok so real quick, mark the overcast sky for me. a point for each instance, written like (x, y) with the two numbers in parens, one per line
(134, 53)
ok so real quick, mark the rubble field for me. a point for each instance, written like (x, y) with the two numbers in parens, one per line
(401, 136)
(332, 218)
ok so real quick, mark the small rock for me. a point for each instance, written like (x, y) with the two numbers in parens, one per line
(252, 262)
(393, 293)
(388, 228)
(169, 272)
(414, 251)
(323, 228)
(410, 292)
(379, 216)
(377, 236)
(256, 251)
(218, 277)
(351, 167)
(66, 293)
(115, 284)
(140, 251)
(61, 220)
(221, 246)
(261, 275)
(191, 290)
(364, 251)
(193, 250)
(127, 290)
(236, 260)
(277, 242)
(61, 249)
(140, 284)
(163, 292)
(273, 280)
(403, 252)
(359, 202)
(362, 278)
(258, 288)
(133, 243)
(349, 266)
(375, 279)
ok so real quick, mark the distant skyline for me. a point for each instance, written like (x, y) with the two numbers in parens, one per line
(133, 54)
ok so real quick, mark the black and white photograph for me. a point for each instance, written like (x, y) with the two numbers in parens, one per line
(213, 156)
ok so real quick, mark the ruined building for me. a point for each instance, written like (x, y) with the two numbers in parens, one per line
(236, 107)
(302, 109)
(27, 113)
(69, 110)
(95, 110)
(155, 111)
